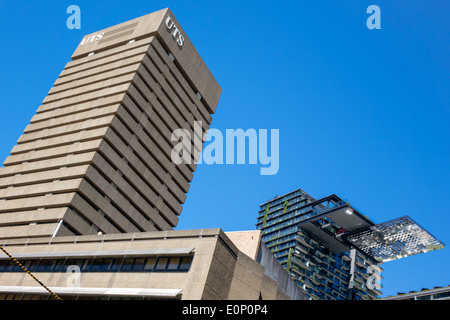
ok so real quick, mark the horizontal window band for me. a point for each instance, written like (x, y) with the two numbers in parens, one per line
(106, 265)
(103, 254)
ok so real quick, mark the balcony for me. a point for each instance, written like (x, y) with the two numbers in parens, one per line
(302, 249)
(300, 262)
(298, 271)
(357, 285)
(377, 292)
(346, 258)
(314, 297)
(359, 278)
(314, 280)
(318, 275)
(321, 254)
(361, 263)
(304, 241)
(317, 260)
(308, 284)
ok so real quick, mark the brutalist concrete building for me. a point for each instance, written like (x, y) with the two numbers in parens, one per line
(90, 194)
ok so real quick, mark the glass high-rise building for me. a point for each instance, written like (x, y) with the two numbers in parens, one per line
(331, 250)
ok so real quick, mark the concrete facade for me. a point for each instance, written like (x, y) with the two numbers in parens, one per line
(96, 157)
(219, 270)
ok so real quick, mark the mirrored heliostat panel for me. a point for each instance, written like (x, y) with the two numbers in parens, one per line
(394, 239)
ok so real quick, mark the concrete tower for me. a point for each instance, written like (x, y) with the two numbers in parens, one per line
(96, 157)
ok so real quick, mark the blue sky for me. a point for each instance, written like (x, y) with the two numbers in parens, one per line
(362, 113)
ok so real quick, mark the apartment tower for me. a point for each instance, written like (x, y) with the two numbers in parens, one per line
(96, 157)
(333, 251)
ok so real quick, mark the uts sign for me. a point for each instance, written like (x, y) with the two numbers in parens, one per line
(93, 38)
(175, 32)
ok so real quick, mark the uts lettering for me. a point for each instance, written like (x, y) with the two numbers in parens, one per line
(93, 38)
(176, 33)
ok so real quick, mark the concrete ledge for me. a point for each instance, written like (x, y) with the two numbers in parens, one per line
(122, 292)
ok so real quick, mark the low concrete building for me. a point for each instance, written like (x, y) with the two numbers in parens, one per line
(436, 293)
(204, 264)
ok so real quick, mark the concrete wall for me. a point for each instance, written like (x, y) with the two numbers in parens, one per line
(218, 271)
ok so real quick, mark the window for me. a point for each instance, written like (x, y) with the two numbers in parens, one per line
(33, 265)
(185, 263)
(6, 266)
(161, 264)
(74, 262)
(100, 265)
(138, 264)
(441, 295)
(85, 264)
(173, 264)
(16, 268)
(141, 264)
(68, 262)
(107, 264)
(116, 264)
(57, 267)
(127, 265)
(44, 266)
(149, 264)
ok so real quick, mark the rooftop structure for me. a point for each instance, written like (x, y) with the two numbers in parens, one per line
(391, 240)
(436, 293)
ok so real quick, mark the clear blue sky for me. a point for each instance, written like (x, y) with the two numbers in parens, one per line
(362, 113)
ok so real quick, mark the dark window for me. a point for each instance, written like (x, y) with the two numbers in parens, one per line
(67, 264)
(73, 262)
(26, 264)
(173, 264)
(85, 265)
(161, 264)
(44, 266)
(33, 265)
(441, 295)
(149, 264)
(57, 267)
(3, 265)
(138, 264)
(106, 265)
(185, 263)
(127, 265)
(16, 268)
(98, 265)
(115, 266)
(101, 264)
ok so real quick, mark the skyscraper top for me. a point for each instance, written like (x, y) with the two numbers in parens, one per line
(163, 25)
